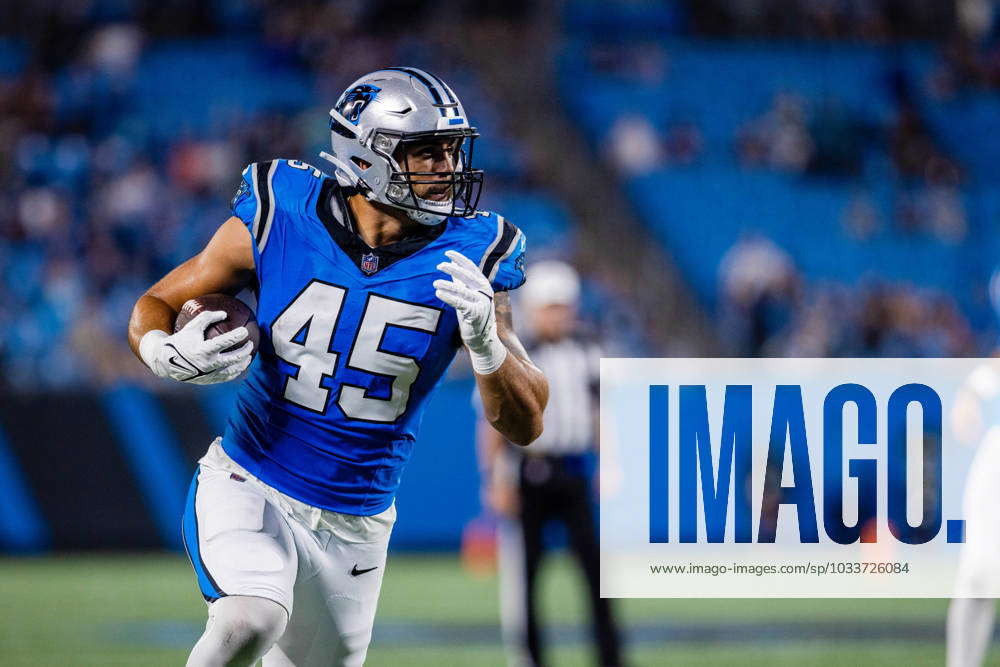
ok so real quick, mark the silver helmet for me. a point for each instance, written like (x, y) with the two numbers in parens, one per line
(391, 107)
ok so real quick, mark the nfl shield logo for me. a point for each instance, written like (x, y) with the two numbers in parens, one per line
(369, 263)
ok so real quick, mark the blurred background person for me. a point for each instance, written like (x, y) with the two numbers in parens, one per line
(971, 614)
(976, 424)
(552, 480)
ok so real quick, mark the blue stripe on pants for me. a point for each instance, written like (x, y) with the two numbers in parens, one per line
(189, 531)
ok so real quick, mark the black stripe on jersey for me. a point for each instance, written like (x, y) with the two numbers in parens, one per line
(491, 246)
(264, 202)
(501, 249)
(438, 101)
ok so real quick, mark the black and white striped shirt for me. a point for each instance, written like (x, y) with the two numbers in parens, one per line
(572, 367)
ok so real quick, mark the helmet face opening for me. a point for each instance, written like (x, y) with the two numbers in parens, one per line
(453, 193)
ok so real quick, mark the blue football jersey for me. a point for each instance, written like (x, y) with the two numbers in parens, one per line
(353, 338)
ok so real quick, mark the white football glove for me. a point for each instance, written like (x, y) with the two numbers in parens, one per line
(469, 292)
(187, 357)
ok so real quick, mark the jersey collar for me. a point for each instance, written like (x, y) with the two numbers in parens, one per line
(336, 216)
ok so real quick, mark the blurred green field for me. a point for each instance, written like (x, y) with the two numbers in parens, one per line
(145, 610)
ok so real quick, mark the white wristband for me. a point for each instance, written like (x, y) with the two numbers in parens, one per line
(149, 346)
(490, 357)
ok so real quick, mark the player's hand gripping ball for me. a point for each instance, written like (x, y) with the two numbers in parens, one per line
(214, 339)
(219, 318)
(237, 314)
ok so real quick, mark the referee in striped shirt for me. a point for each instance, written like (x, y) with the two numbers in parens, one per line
(552, 479)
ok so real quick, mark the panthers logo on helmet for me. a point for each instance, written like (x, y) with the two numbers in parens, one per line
(355, 100)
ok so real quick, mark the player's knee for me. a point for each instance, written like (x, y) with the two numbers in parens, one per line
(354, 648)
(248, 627)
(248, 638)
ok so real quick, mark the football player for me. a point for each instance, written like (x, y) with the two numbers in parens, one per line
(367, 283)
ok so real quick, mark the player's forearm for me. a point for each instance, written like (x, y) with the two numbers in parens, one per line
(513, 390)
(149, 313)
(514, 398)
(226, 265)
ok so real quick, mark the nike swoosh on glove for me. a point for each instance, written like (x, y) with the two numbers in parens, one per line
(469, 292)
(187, 357)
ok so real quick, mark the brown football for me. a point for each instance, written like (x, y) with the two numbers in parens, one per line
(240, 315)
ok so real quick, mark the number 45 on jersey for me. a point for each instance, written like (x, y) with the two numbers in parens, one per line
(316, 312)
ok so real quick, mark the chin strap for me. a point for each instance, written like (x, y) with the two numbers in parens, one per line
(425, 217)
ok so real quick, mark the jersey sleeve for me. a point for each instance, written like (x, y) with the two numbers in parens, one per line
(244, 203)
(254, 202)
(272, 197)
(503, 260)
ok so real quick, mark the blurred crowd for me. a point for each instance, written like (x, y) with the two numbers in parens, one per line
(95, 205)
(821, 138)
(104, 191)
(768, 309)
(905, 182)
(865, 20)
(830, 141)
